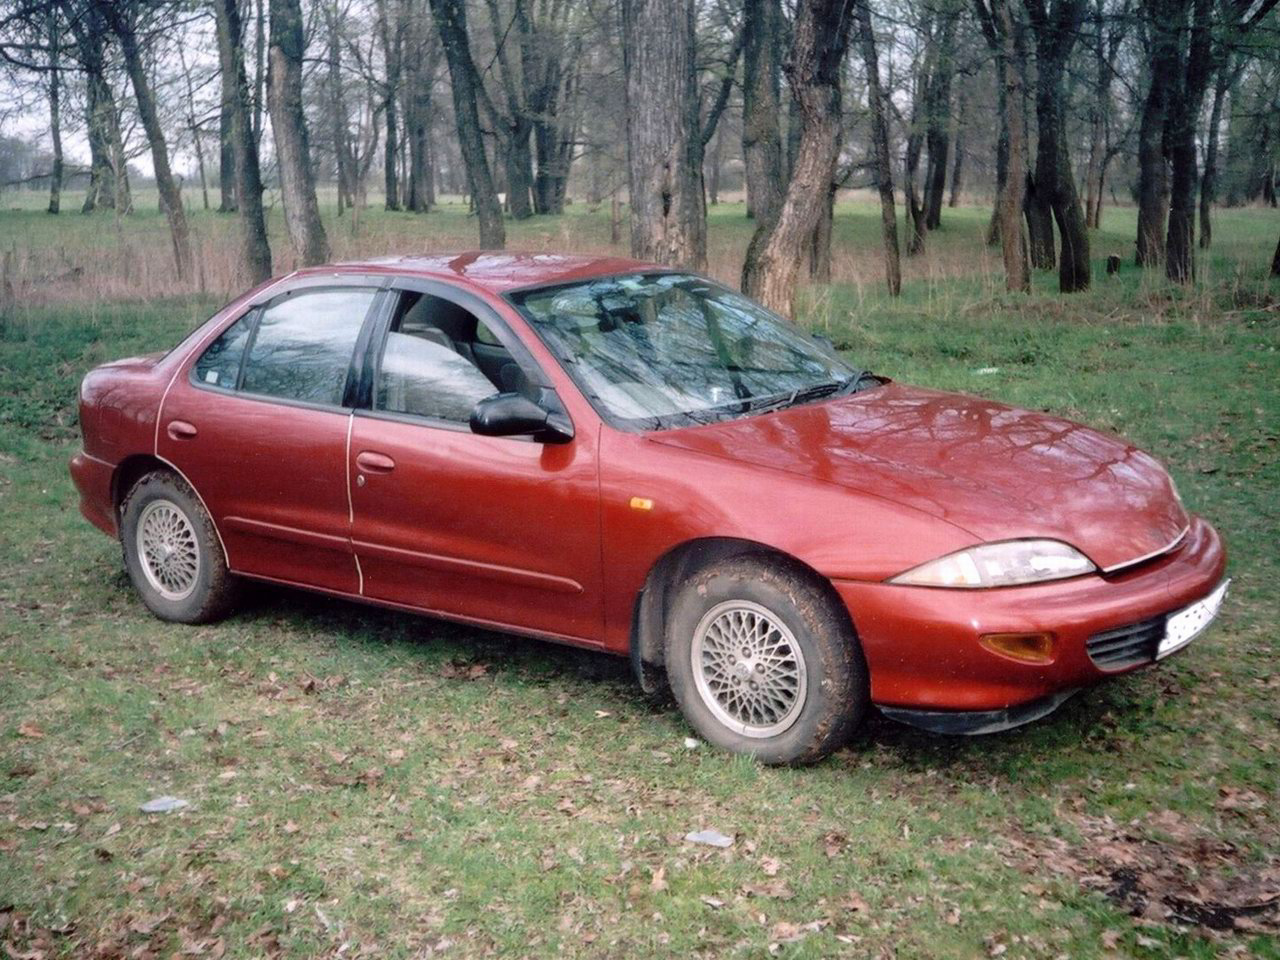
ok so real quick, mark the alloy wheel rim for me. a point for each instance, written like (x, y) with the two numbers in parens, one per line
(748, 669)
(168, 551)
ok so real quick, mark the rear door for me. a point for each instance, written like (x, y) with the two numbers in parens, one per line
(502, 530)
(258, 423)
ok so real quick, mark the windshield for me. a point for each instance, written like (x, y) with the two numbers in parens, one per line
(658, 350)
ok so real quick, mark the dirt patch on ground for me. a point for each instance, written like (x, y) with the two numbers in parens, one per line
(1167, 868)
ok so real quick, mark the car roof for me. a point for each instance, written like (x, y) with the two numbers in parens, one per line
(494, 271)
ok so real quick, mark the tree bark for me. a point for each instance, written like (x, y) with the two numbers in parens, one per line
(1209, 179)
(100, 110)
(881, 161)
(1153, 185)
(761, 109)
(664, 133)
(170, 196)
(1055, 29)
(1184, 113)
(289, 126)
(451, 21)
(1003, 33)
(938, 120)
(343, 161)
(226, 154)
(958, 148)
(819, 40)
(1275, 262)
(194, 127)
(916, 228)
(390, 32)
(256, 250)
(55, 112)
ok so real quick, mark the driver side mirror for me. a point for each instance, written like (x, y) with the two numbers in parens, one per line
(515, 415)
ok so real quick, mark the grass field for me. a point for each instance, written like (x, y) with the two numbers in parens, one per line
(365, 783)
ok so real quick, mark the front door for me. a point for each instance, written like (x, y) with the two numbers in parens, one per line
(499, 530)
(259, 426)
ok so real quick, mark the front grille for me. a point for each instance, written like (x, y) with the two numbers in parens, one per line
(1127, 646)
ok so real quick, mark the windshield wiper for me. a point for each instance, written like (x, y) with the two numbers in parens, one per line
(798, 395)
(851, 385)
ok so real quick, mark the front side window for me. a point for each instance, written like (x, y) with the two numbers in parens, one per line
(219, 365)
(303, 345)
(438, 363)
(672, 349)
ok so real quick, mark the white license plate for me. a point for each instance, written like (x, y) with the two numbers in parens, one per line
(1185, 625)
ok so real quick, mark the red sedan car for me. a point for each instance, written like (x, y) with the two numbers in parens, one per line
(618, 456)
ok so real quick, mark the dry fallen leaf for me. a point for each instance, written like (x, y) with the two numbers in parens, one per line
(30, 729)
(659, 881)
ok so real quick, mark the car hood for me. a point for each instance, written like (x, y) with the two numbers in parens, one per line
(997, 472)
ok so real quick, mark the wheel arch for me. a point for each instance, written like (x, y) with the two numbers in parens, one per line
(649, 614)
(136, 466)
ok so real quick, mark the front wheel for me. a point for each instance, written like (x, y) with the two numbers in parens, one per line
(765, 662)
(172, 552)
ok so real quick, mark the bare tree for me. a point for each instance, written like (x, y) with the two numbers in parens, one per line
(451, 21)
(289, 126)
(54, 38)
(256, 248)
(123, 27)
(1055, 28)
(880, 148)
(819, 41)
(1003, 32)
(664, 133)
(762, 28)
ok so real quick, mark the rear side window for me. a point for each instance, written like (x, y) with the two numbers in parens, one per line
(303, 345)
(219, 365)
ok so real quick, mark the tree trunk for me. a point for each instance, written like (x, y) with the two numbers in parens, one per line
(938, 120)
(99, 110)
(194, 127)
(226, 155)
(761, 109)
(1056, 29)
(170, 197)
(714, 163)
(55, 113)
(256, 250)
(1275, 262)
(1153, 187)
(1208, 180)
(289, 126)
(1010, 65)
(1184, 114)
(882, 163)
(958, 146)
(664, 133)
(451, 21)
(343, 161)
(819, 40)
(916, 228)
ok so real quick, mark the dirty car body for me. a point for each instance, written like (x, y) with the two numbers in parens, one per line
(593, 450)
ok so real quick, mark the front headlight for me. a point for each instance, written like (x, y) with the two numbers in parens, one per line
(1000, 565)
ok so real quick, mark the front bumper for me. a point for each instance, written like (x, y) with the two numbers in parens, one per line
(921, 643)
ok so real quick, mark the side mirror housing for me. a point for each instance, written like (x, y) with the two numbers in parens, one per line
(515, 415)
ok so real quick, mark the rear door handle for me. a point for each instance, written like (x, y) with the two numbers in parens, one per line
(375, 462)
(181, 430)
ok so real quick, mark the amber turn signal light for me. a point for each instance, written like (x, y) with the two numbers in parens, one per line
(1025, 647)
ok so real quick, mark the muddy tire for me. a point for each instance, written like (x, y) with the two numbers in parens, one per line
(765, 662)
(172, 552)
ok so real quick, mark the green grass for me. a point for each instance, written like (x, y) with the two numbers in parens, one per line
(400, 785)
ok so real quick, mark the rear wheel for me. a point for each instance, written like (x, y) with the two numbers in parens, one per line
(172, 552)
(764, 662)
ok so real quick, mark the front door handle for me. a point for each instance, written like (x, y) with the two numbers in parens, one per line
(375, 462)
(181, 430)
